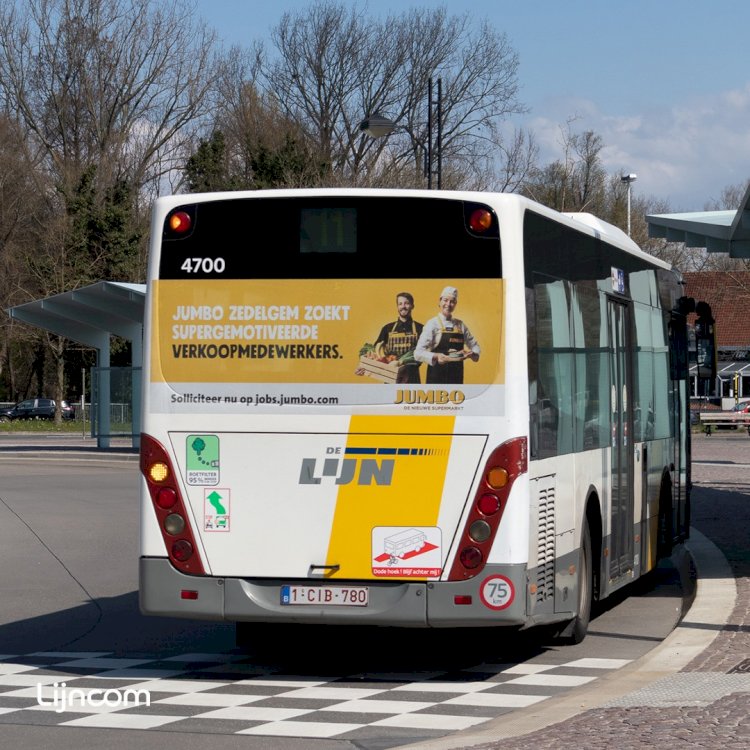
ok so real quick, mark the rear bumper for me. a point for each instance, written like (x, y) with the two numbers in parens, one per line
(406, 604)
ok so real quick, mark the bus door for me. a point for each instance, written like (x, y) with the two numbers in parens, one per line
(621, 505)
(679, 407)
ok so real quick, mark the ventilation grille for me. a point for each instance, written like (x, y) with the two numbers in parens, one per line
(545, 582)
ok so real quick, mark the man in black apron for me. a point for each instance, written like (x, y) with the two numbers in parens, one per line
(401, 336)
(446, 343)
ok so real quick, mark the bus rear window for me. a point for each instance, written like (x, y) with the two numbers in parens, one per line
(331, 237)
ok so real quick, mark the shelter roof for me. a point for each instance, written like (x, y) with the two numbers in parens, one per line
(88, 313)
(717, 231)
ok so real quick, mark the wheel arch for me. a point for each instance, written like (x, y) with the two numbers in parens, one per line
(665, 528)
(593, 517)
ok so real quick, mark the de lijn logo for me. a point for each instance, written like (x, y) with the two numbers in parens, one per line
(360, 465)
(364, 466)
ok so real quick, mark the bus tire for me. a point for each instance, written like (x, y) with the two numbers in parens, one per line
(576, 629)
(665, 533)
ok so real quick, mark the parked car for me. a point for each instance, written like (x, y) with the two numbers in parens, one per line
(36, 408)
(743, 406)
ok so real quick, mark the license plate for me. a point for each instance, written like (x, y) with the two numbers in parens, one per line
(340, 596)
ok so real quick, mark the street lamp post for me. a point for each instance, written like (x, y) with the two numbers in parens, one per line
(629, 179)
(378, 126)
(437, 104)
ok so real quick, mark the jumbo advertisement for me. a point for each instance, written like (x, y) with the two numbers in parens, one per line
(413, 344)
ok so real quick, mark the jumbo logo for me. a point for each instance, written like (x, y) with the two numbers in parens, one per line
(429, 397)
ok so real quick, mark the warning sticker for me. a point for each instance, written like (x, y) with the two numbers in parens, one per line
(406, 552)
(216, 513)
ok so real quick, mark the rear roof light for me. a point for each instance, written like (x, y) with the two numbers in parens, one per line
(179, 222)
(480, 220)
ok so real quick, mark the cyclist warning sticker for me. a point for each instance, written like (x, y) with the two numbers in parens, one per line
(202, 459)
(497, 592)
(406, 552)
(216, 509)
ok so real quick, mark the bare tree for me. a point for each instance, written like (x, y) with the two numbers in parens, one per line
(518, 160)
(729, 199)
(575, 182)
(22, 212)
(116, 83)
(107, 92)
(334, 66)
(263, 146)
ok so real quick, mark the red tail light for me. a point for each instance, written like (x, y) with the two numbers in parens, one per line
(505, 464)
(169, 507)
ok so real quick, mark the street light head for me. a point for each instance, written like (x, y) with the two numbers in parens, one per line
(376, 126)
(628, 178)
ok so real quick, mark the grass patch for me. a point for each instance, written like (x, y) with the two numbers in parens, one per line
(68, 425)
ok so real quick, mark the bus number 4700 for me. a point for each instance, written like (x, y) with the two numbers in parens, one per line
(204, 265)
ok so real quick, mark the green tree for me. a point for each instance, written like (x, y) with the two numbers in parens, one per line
(289, 165)
(104, 235)
(208, 169)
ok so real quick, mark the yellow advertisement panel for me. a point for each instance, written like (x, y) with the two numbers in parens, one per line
(346, 331)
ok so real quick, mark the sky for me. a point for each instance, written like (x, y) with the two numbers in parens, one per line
(665, 83)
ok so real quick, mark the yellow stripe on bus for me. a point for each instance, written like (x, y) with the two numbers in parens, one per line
(411, 499)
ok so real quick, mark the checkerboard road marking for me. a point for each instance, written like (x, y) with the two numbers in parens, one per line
(228, 693)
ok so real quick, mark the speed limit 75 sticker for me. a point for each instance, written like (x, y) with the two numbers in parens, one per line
(497, 592)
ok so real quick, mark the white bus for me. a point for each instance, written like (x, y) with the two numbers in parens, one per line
(332, 372)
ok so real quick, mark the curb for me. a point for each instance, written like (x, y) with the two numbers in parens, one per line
(713, 604)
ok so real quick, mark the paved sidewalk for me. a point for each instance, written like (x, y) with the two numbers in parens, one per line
(693, 690)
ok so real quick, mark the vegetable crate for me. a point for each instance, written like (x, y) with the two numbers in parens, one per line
(386, 372)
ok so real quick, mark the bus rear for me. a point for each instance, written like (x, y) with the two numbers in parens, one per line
(326, 430)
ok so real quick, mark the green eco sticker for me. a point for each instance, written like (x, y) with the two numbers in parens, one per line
(202, 459)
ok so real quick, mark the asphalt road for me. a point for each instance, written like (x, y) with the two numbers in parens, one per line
(68, 574)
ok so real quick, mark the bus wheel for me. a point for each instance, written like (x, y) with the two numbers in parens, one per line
(664, 534)
(576, 629)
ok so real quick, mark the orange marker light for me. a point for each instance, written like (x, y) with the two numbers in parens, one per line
(497, 477)
(158, 471)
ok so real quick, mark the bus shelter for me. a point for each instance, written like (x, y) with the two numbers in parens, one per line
(717, 231)
(91, 315)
